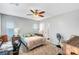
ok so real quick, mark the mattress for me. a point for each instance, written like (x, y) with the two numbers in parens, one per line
(47, 49)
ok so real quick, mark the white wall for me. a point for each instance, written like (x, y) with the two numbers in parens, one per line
(66, 24)
(25, 25)
(0, 23)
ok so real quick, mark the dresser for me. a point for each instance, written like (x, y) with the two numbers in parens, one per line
(71, 47)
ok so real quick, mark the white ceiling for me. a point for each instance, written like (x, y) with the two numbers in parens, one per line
(22, 9)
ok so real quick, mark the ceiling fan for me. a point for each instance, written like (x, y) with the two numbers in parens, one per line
(37, 13)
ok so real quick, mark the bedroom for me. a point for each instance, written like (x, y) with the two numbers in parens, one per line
(62, 18)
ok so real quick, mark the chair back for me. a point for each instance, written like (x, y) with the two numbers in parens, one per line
(16, 44)
(58, 36)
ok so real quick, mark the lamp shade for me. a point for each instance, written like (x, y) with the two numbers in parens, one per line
(16, 31)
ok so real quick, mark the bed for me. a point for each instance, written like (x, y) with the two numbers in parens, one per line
(46, 49)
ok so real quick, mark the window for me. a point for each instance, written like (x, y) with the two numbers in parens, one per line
(10, 28)
(35, 27)
(41, 27)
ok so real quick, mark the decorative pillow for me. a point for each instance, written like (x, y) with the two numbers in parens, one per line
(39, 34)
(35, 41)
(4, 38)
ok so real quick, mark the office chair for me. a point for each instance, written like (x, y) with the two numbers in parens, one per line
(16, 42)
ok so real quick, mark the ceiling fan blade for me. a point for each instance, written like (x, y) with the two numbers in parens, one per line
(41, 12)
(35, 12)
(41, 15)
(32, 11)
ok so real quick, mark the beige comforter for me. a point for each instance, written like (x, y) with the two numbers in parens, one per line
(47, 49)
(35, 41)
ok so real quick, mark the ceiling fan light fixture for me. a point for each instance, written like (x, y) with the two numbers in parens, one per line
(37, 13)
